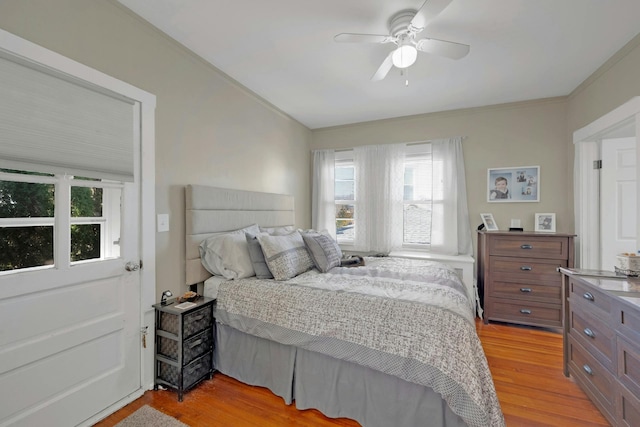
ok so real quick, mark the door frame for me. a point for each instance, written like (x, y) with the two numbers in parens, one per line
(623, 121)
(32, 52)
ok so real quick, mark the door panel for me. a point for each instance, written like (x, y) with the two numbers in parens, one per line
(618, 199)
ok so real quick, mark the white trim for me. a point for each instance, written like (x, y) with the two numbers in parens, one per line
(587, 180)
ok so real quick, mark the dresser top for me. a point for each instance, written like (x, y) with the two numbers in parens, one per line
(525, 233)
(626, 288)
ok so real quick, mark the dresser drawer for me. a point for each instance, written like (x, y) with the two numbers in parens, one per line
(591, 300)
(530, 246)
(596, 337)
(629, 365)
(595, 379)
(522, 270)
(628, 408)
(526, 291)
(525, 312)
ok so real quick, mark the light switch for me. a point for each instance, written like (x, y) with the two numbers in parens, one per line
(163, 222)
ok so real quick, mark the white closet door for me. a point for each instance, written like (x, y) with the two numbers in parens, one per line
(618, 199)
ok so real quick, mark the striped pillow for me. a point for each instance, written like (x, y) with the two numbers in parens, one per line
(286, 256)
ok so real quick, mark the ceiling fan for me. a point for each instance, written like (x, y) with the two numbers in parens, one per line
(404, 26)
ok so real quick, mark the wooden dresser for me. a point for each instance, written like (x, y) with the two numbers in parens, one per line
(602, 343)
(518, 276)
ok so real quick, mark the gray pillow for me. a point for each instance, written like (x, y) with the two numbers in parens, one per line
(286, 256)
(325, 252)
(257, 257)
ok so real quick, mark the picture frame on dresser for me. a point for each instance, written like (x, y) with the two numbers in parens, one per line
(489, 222)
(545, 222)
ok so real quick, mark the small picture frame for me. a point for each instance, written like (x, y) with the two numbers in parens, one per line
(489, 222)
(545, 222)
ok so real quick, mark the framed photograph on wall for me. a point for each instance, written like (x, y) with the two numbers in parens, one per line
(489, 222)
(545, 222)
(517, 184)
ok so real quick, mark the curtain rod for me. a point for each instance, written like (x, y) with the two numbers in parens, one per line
(409, 144)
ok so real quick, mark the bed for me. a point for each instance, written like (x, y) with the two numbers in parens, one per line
(392, 342)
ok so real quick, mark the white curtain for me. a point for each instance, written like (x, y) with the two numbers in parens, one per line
(450, 232)
(379, 197)
(323, 209)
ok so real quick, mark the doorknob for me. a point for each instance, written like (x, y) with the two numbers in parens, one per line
(132, 266)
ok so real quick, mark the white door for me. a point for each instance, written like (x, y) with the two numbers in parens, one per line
(70, 335)
(618, 199)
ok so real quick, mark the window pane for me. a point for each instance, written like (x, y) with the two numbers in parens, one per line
(344, 221)
(417, 223)
(86, 202)
(23, 247)
(418, 180)
(85, 241)
(344, 183)
(26, 200)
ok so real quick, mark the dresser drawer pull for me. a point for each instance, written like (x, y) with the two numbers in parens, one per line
(525, 311)
(588, 369)
(588, 332)
(526, 268)
(198, 317)
(588, 296)
(526, 246)
(526, 290)
(195, 343)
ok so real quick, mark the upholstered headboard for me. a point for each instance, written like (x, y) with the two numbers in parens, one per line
(211, 210)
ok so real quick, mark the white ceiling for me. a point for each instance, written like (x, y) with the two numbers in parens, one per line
(283, 50)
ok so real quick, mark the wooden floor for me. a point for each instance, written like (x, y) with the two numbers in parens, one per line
(526, 364)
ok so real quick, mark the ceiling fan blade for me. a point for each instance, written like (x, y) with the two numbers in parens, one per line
(443, 48)
(383, 69)
(360, 38)
(429, 10)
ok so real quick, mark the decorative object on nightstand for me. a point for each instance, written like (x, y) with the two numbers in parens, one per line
(165, 295)
(184, 343)
(518, 277)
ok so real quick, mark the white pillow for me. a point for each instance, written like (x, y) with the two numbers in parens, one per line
(286, 256)
(227, 254)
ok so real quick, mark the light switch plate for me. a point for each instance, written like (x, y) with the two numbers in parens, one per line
(163, 222)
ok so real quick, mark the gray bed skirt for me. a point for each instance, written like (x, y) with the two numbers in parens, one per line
(334, 387)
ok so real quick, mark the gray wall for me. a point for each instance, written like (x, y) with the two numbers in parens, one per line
(209, 129)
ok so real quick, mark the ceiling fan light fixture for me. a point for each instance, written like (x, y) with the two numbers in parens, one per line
(404, 56)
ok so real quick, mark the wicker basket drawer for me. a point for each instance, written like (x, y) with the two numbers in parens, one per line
(192, 373)
(192, 348)
(194, 322)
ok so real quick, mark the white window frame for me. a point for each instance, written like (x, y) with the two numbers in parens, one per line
(345, 159)
(109, 221)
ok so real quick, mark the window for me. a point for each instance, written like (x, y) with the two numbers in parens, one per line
(420, 195)
(30, 208)
(345, 197)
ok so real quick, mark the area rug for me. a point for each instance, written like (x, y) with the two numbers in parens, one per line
(146, 416)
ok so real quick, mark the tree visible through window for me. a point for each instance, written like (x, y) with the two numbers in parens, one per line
(27, 219)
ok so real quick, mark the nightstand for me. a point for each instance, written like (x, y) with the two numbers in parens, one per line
(183, 344)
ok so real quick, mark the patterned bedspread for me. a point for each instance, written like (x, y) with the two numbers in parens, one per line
(407, 318)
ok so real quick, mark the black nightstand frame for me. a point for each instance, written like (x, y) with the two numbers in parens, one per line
(184, 341)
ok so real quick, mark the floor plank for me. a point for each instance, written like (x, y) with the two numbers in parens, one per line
(526, 364)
